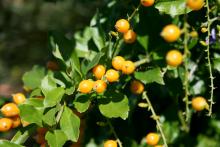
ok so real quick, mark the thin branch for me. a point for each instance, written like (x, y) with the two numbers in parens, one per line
(155, 117)
(114, 133)
(209, 60)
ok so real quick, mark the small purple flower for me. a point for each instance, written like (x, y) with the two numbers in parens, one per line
(212, 38)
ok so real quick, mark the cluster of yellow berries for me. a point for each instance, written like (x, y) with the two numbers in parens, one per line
(11, 112)
(112, 75)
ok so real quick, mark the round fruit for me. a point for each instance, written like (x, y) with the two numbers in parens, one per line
(152, 138)
(10, 110)
(112, 75)
(98, 71)
(99, 86)
(117, 62)
(174, 58)
(110, 143)
(199, 103)
(195, 4)
(5, 124)
(136, 87)
(16, 121)
(147, 3)
(130, 36)
(18, 98)
(85, 86)
(128, 67)
(171, 33)
(122, 25)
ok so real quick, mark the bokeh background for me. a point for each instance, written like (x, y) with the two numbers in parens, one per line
(24, 25)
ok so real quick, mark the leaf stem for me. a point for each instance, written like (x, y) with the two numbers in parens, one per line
(134, 12)
(209, 60)
(155, 117)
(142, 61)
(186, 75)
(114, 133)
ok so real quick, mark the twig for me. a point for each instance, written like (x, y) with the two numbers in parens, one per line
(209, 61)
(114, 133)
(155, 117)
(186, 78)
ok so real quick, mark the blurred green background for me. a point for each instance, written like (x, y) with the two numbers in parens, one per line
(24, 25)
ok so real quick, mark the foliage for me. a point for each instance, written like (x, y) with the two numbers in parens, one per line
(164, 106)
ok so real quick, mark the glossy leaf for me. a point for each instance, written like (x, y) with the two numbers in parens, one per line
(114, 105)
(47, 84)
(150, 76)
(69, 124)
(31, 114)
(172, 7)
(32, 79)
(57, 138)
(6, 143)
(82, 102)
(53, 97)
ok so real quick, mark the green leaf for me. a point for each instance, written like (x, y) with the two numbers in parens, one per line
(32, 79)
(172, 7)
(53, 97)
(36, 102)
(47, 84)
(6, 143)
(93, 63)
(49, 117)
(114, 105)
(36, 92)
(143, 40)
(56, 138)
(97, 32)
(216, 62)
(31, 114)
(150, 76)
(69, 124)
(75, 63)
(21, 137)
(82, 102)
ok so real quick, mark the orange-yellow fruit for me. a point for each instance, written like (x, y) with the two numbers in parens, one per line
(112, 75)
(158, 146)
(19, 98)
(171, 33)
(110, 143)
(128, 67)
(122, 25)
(117, 62)
(195, 4)
(16, 121)
(147, 3)
(152, 138)
(98, 71)
(85, 86)
(10, 110)
(174, 58)
(5, 124)
(130, 36)
(137, 87)
(99, 86)
(199, 103)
